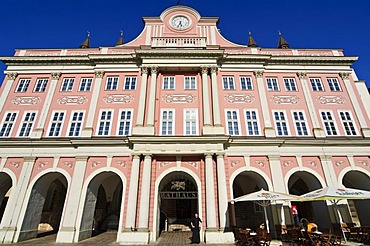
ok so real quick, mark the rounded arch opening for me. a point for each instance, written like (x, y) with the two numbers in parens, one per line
(5, 191)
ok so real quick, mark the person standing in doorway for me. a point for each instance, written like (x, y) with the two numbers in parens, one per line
(196, 224)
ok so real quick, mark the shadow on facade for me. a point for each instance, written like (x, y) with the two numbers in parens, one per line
(5, 190)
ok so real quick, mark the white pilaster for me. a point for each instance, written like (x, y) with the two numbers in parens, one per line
(329, 172)
(205, 95)
(132, 193)
(67, 232)
(269, 130)
(352, 95)
(39, 130)
(277, 174)
(7, 87)
(210, 194)
(11, 221)
(151, 100)
(145, 194)
(217, 126)
(142, 100)
(88, 130)
(222, 192)
(317, 131)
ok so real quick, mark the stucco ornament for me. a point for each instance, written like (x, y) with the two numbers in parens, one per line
(193, 163)
(261, 163)
(64, 100)
(15, 164)
(68, 164)
(239, 98)
(43, 164)
(118, 98)
(121, 163)
(26, 100)
(95, 164)
(362, 162)
(99, 73)
(338, 163)
(258, 73)
(163, 163)
(302, 75)
(285, 99)
(331, 100)
(287, 163)
(234, 163)
(344, 75)
(56, 75)
(312, 163)
(179, 98)
(12, 75)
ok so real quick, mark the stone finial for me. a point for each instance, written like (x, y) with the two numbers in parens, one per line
(12, 75)
(99, 73)
(86, 43)
(302, 75)
(56, 75)
(204, 69)
(258, 73)
(283, 44)
(120, 40)
(251, 42)
(344, 75)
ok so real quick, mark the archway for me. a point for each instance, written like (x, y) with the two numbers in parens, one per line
(358, 180)
(302, 182)
(102, 205)
(248, 214)
(5, 190)
(178, 201)
(45, 206)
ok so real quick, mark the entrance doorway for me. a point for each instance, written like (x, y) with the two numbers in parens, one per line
(178, 201)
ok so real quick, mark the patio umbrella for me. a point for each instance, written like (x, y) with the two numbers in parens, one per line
(334, 195)
(264, 198)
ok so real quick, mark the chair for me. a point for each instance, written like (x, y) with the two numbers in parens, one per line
(281, 231)
(310, 239)
(294, 236)
(245, 239)
(236, 235)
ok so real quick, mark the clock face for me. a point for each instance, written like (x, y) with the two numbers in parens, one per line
(180, 22)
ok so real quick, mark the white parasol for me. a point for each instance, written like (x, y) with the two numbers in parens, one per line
(264, 198)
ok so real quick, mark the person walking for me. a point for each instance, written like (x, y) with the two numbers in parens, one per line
(196, 224)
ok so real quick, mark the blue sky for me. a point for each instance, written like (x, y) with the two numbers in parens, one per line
(341, 24)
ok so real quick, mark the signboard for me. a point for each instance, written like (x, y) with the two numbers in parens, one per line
(178, 195)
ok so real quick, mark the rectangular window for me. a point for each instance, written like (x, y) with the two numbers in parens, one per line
(23, 85)
(232, 122)
(281, 123)
(191, 122)
(7, 124)
(56, 124)
(105, 123)
(272, 84)
(316, 84)
(111, 83)
(251, 121)
(124, 124)
(290, 84)
(246, 83)
(189, 83)
(333, 84)
(85, 84)
(130, 83)
(168, 83)
(167, 122)
(329, 123)
(27, 124)
(300, 123)
(228, 83)
(348, 124)
(67, 84)
(41, 85)
(76, 124)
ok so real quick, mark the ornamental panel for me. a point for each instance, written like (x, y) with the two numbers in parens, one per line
(26, 100)
(179, 98)
(331, 100)
(72, 100)
(239, 98)
(118, 98)
(285, 99)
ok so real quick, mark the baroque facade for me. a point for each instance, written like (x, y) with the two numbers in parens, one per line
(138, 137)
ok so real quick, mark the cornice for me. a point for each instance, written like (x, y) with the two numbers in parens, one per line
(313, 60)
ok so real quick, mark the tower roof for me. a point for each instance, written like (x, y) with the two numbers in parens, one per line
(120, 40)
(251, 42)
(86, 43)
(283, 44)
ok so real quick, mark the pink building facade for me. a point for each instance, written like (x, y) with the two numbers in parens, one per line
(138, 137)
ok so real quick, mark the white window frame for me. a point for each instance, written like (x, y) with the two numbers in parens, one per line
(352, 121)
(28, 123)
(41, 84)
(67, 84)
(23, 85)
(71, 120)
(274, 82)
(286, 123)
(233, 120)
(51, 122)
(257, 121)
(100, 120)
(119, 120)
(114, 83)
(305, 121)
(314, 84)
(13, 122)
(87, 85)
(248, 87)
(189, 85)
(195, 111)
(173, 121)
(131, 81)
(289, 83)
(229, 84)
(170, 83)
(333, 84)
(334, 122)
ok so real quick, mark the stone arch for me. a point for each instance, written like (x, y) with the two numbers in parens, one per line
(6, 184)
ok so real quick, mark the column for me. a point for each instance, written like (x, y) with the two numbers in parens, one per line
(145, 194)
(269, 130)
(205, 94)
(151, 100)
(222, 191)
(352, 95)
(142, 98)
(277, 174)
(215, 95)
(39, 130)
(329, 172)
(88, 130)
(132, 194)
(7, 87)
(317, 130)
(11, 220)
(210, 194)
